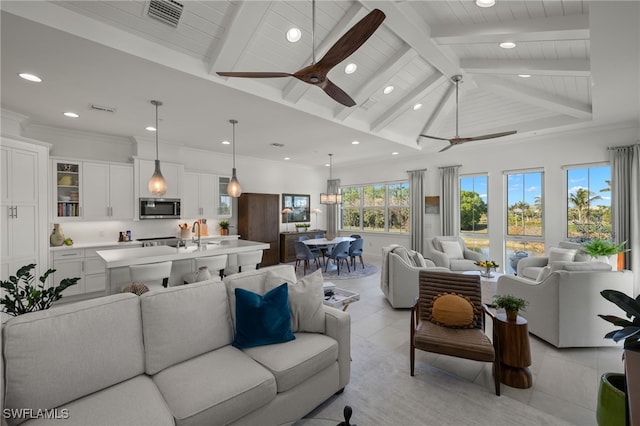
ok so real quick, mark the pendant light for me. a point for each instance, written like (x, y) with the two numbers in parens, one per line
(330, 197)
(157, 184)
(234, 189)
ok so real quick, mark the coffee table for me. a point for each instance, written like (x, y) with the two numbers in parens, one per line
(488, 284)
(338, 297)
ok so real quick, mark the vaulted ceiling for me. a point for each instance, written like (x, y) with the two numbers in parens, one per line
(113, 53)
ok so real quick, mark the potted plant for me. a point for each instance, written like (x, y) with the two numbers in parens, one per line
(511, 305)
(302, 227)
(609, 400)
(224, 227)
(605, 251)
(22, 296)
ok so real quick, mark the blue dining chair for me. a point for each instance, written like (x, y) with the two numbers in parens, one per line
(355, 250)
(339, 253)
(304, 254)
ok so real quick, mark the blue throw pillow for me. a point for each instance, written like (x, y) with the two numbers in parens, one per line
(262, 320)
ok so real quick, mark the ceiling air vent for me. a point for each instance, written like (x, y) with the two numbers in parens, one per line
(167, 11)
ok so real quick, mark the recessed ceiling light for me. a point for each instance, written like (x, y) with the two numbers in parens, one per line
(355, 143)
(30, 77)
(294, 34)
(150, 129)
(394, 153)
(327, 165)
(287, 158)
(388, 90)
(417, 107)
(524, 75)
(350, 68)
(485, 3)
(226, 143)
(507, 45)
(71, 114)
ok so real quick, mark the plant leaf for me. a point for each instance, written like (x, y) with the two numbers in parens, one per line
(625, 333)
(620, 322)
(624, 302)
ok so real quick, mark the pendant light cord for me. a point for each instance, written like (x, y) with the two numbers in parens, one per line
(233, 123)
(313, 30)
(157, 157)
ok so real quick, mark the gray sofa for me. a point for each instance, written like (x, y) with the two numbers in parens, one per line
(166, 358)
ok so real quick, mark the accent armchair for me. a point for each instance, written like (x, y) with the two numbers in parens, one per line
(451, 253)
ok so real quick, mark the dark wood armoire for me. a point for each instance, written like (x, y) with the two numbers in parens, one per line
(259, 220)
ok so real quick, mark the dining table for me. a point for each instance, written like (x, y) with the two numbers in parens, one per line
(323, 242)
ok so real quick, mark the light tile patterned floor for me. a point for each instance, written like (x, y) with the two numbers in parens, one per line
(565, 381)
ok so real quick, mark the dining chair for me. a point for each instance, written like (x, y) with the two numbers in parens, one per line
(355, 250)
(305, 254)
(339, 253)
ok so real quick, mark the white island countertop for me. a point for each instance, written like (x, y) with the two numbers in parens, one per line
(117, 258)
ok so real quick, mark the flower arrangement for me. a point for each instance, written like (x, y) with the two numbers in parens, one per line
(487, 265)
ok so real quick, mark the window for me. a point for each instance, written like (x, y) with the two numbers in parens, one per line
(525, 207)
(376, 208)
(589, 203)
(474, 211)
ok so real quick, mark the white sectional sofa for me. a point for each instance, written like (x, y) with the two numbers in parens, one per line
(165, 358)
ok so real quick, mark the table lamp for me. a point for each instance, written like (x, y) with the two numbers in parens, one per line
(286, 212)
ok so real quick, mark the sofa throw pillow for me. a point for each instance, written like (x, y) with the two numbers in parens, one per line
(418, 259)
(404, 255)
(544, 273)
(262, 320)
(453, 310)
(452, 249)
(305, 301)
(557, 254)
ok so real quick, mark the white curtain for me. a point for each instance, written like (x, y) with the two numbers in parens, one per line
(625, 203)
(333, 186)
(450, 200)
(416, 215)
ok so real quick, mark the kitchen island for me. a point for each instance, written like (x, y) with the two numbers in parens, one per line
(117, 261)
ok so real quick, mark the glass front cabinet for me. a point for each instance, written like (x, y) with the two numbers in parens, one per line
(67, 190)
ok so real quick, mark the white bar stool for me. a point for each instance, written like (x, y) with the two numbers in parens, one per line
(245, 261)
(150, 273)
(215, 265)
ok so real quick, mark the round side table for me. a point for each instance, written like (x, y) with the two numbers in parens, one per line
(515, 354)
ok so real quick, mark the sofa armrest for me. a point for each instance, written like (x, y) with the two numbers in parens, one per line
(437, 257)
(338, 327)
(473, 255)
(526, 262)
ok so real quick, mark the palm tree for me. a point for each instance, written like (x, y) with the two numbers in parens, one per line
(581, 200)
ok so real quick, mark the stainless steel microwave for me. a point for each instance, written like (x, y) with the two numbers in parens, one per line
(159, 208)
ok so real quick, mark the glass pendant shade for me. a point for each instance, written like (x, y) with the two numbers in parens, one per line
(157, 184)
(330, 197)
(234, 189)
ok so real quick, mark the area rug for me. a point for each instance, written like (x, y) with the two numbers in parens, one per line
(332, 275)
(382, 392)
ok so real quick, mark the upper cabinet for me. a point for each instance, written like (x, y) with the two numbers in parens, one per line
(172, 173)
(85, 190)
(205, 195)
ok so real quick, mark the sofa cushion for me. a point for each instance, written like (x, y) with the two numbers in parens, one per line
(294, 362)
(418, 259)
(93, 344)
(404, 255)
(135, 401)
(305, 300)
(531, 272)
(462, 265)
(580, 266)
(452, 310)
(182, 322)
(216, 388)
(544, 273)
(262, 320)
(452, 249)
(560, 254)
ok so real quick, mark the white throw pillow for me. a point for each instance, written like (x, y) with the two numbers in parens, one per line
(557, 254)
(418, 259)
(544, 273)
(452, 249)
(305, 300)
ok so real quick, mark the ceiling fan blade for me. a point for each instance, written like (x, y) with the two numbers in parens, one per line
(434, 137)
(491, 136)
(254, 74)
(352, 39)
(446, 147)
(338, 94)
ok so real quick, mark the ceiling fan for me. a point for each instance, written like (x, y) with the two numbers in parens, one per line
(316, 73)
(457, 139)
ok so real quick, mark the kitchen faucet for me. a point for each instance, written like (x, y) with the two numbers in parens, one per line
(193, 229)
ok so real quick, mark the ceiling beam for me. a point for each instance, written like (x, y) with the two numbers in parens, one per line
(555, 28)
(446, 104)
(423, 89)
(534, 97)
(558, 67)
(226, 53)
(295, 89)
(382, 75)
(406, 23)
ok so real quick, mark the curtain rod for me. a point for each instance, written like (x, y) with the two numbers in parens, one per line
(446, 167)
(417, 170)
(623, 146)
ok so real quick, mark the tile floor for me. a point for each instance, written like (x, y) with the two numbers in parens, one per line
(565, 381)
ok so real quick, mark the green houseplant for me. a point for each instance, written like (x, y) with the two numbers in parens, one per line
(23, 296)
(302, 226)
(511, 304)
(616, 389)
(224, 227)
(599, 247)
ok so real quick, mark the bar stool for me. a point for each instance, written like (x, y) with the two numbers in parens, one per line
(215, 265)
(151, 272)
(247, 261)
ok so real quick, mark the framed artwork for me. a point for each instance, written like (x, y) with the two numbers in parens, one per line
(432, 204)
(299, 204)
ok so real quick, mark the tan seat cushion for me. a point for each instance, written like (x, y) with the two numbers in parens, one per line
(469, 343)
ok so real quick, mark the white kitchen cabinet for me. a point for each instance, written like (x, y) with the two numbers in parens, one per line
(84, 264)
(23, 171)
(172, 173)
(107, 191)
(199, 195)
